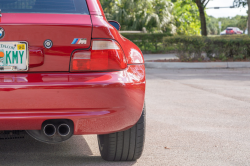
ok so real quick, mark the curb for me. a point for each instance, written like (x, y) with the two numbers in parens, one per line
(197, 65)
(238, 65)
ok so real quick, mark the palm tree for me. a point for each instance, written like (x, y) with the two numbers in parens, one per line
(136, 14)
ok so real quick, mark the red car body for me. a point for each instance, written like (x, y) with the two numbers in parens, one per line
(100, 102)
(233, 30)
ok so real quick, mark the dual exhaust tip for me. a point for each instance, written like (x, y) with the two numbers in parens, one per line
(50, 130)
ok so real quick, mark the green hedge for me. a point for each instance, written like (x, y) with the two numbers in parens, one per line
(148, 42)
(222, 47)
(194, 47)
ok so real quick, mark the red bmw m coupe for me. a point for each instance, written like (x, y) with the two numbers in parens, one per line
(65, 70)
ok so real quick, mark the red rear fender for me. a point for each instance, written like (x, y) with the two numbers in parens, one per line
(102, 29)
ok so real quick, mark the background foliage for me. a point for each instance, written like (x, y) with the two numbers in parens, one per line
(167, 16)
(186, 17)
(155, 16)
(199, 48)
(162, 18)
(149, 43)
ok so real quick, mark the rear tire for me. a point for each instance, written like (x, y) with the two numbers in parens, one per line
(126, 145)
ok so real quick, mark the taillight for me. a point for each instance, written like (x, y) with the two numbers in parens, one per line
(104, 55)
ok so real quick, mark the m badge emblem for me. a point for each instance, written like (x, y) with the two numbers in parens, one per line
(79, 41)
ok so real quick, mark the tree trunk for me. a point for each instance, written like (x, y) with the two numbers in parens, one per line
(202, 18)
(248, 20)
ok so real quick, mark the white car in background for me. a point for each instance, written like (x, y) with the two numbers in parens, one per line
(233, 30)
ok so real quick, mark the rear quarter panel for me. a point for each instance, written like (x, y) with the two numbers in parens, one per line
(102, 29)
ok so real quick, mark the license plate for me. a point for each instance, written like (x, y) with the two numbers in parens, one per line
(14, 56)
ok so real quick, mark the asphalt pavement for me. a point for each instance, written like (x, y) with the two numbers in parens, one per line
(194, 118)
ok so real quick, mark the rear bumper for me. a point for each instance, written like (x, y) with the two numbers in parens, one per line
(97, 103)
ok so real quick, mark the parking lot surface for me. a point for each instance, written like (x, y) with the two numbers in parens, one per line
(194, 117)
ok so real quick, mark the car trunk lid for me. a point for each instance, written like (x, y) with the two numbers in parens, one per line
(68, 32)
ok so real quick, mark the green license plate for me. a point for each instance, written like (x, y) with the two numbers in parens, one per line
(14, 56)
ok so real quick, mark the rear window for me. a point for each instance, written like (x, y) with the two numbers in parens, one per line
(44, 6)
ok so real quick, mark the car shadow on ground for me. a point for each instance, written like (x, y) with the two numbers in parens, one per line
(28, 151)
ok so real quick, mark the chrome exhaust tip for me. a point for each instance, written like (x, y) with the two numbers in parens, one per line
(49, 130)
(63, 130)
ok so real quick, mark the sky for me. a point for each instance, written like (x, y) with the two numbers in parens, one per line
(227, 12)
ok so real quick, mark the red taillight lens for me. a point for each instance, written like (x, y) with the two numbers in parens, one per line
(105, 55)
